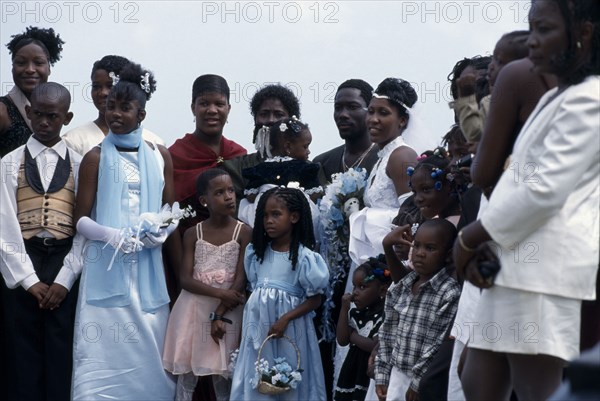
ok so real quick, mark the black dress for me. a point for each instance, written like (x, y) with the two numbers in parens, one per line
(353, 381)
(18, 133)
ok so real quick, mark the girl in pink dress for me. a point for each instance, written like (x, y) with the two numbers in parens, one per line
(205, 323)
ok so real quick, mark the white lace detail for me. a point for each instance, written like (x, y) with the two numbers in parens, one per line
(314, 190)
(279, 159)
(351, 390)
(380, 191)
(251, 191)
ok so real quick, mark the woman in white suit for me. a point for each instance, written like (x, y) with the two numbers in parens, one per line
(543, 216)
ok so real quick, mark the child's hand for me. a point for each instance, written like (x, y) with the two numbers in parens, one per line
(55, 295)
(279, 327)
(381, 392)
(39, 291)
(231, 298)
(346, 301)
(401, 239)
(412, 395)
(218, 329)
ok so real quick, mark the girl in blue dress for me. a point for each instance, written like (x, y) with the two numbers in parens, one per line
(287, 279)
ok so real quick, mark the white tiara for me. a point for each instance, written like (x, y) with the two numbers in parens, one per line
(375, 95)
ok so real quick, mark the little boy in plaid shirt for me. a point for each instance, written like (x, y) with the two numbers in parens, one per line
(419, 310)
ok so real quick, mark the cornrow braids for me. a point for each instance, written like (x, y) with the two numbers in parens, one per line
(302, 231)
(47, 39)
(376, 269)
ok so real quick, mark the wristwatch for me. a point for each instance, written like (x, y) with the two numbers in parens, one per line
(213, 316)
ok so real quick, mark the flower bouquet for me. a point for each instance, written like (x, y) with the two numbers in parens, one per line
(343, 197)
(149, 230)
(280, 377)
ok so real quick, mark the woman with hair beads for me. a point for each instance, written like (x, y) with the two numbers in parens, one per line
(32, 53)
(105, 73)
(123, 305)
(206, 147)
(551, 217)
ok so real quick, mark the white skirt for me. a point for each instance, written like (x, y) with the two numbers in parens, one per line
(521, 322)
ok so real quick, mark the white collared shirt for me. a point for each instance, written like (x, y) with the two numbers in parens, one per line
(15, 265)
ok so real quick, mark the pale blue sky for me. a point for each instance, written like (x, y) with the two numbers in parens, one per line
(310, 46)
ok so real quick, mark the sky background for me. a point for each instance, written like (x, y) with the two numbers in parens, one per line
(309, 46)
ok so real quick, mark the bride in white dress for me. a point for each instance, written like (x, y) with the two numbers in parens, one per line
(388, 117)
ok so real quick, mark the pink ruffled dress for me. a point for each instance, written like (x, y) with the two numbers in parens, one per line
(188, 344)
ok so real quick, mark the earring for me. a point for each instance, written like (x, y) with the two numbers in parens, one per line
(194, 118)
(204, 204)
(578, 44)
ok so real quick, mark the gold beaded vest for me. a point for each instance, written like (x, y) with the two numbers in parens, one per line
(50, 210)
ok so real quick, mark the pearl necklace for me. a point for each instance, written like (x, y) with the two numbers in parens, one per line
(358, 161)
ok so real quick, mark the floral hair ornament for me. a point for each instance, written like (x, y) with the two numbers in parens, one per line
(283, 127)
(145, 83)
(115, 78)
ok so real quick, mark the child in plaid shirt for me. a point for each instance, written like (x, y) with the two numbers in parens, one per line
(419, 310)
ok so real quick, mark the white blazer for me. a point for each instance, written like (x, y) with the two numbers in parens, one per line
(544, 211)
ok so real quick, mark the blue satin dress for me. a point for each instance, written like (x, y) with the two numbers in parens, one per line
(277, 289)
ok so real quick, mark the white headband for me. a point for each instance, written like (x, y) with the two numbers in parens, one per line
(375, 95)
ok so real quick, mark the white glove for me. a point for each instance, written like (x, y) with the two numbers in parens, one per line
(122, 240)
(155, 239)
